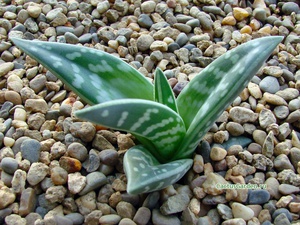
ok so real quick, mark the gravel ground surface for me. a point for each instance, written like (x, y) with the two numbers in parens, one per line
(56, 169)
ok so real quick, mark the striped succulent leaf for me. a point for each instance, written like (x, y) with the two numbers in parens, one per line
(209, 94)
(94, 75)
(148, 119)
(163, 92)
(144, 173)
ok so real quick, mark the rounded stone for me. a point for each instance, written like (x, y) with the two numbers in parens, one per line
(182, 39)
(289, 7)
(241, 211)
(94, 180)
(269, 84)
(144, 42)
(9, 165)
(217, 154)
(277, 212)
(258, 196)
(78, 151)
(30, 150)
(59, 175)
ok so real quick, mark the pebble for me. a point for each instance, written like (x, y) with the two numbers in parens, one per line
(282, 162)
(142, 216)
(27, 202)
(30, 150)
(94, 180)
(175, 204)
(14, 219)
(242, 115)
(158, 218)
(7, 196)
(217, 154)
(9, 165)
(144, 42)
(83, 130)
(78, 151)
(287, 189)
(241, 211)
(210, 184)
(5, 68)
(258, 196)
(269, 84)
(36, 105)
(289, 7)
(71, 165)
(225, 211)
(277, 212)
(110, 219)
(37, 173)
(59, 175)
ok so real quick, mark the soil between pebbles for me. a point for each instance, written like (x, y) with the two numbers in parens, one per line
(56, 169)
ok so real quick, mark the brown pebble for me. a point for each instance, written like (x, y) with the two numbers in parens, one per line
(13, 97)
(27, 202)
(59, 175)
(71, 165)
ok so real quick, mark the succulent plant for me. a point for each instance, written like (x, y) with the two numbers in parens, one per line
(168, 129)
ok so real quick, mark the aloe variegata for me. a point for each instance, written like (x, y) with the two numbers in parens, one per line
(168, 128)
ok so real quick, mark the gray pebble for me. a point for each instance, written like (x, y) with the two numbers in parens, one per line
(258, 196)
(289, 7)
(9, 165)
(94, 180)
(78, 151)
(61, 30)
(77, 218)
(158, 218)
(174, 204)
(145, 21)
(71, 38)
(109, 157)
(224, 211)
(260, 14)
(282, 210)
(85, 38)
(31, 25)
(294, 104)
(269, 84)
(30, 150)
(182, 39)
(282, 162)
(93, 161)
(281, 112)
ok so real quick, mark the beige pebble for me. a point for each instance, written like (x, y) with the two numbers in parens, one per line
(8, 142)
(284, 201)
(159, 45)
(241, 211)
(210, 185)
(274, 99)
(5, 68)
(20, 114)
(13, 97)
(217, 153)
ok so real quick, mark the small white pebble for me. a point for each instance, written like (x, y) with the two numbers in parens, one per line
(8, 142)
(20, 114)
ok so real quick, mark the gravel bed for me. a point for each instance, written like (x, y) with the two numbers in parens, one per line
(56, 169)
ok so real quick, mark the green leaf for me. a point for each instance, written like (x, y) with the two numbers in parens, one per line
(147, 119)
(94, 75)
(163, 92)
(203, 100)
(145, 174)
